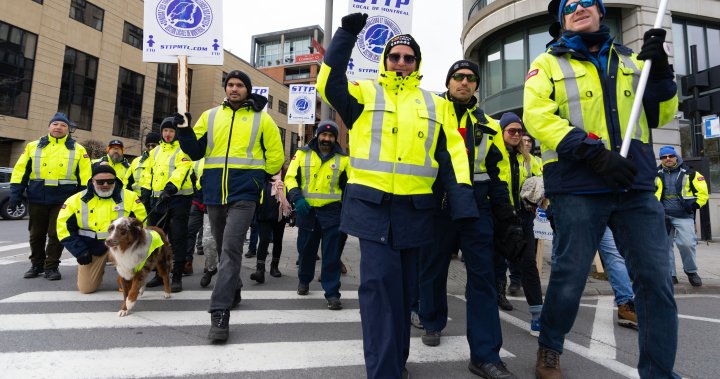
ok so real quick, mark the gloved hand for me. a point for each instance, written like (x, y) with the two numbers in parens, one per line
(354, 22)
(509, 238)
(13, 203)
(145, 196)
(617, 171)
(84, 258)
(178, 119)
(653, 48)
(302, 207)
(168, 191)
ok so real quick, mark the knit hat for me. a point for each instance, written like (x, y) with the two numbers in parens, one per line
(508, 118)
(327, 126)
(561, 4)
(239, 75)
(152, 137)
(102, 168)
(403, 39)
(463, 63)
(59, 116)
(168, 123)
(667, 150)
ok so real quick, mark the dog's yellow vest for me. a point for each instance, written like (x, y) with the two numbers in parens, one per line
(156, 241)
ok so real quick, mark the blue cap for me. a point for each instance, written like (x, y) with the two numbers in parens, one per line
(60, 117)
(508, 118)
(667, 150)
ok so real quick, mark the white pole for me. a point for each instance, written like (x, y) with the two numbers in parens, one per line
(182, 104)
(640, 91)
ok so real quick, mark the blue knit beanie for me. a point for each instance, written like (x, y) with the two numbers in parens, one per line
(60, 117)
(667, 150)
(508, 118)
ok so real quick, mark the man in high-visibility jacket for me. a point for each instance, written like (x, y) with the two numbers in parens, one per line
(167, 193)
(134, 173)
(84, 220)
(51, 169)
(115, 158)
(681, 190)
(400, 143)
(578, 97)
(241, 145)
(315, 181)
(483, 142)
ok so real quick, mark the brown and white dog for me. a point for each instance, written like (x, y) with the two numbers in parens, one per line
(128, 243)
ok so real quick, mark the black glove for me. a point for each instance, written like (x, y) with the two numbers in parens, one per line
(84, 258)
(508, 237)
(168, 191)
(653, 48)
(188, 117)
(354, 23)
(145, 196)
(612, 167)
(13, 203)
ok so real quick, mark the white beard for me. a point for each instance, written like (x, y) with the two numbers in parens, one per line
(104, 194)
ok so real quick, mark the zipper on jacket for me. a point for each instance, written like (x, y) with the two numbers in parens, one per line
(225, 169)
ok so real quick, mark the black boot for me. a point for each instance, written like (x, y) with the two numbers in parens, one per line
(34, 271)
(259, 274)
(219, 325)
(274, 271)
(207, 277)
(502, 301)
(177, 274)
(154, 282)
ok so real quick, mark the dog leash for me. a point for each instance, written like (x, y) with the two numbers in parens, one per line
(153, 210)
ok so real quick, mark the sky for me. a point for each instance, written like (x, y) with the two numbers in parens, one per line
(436, 27)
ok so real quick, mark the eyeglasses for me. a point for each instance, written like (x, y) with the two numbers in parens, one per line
(571, 8)
(513, 131)
(395, 58)
(104, 182)
(667, 156)
(472, 78)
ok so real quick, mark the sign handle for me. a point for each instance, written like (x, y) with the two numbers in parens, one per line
(182, 85)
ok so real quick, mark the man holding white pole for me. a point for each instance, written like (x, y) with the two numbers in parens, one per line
(578, 100)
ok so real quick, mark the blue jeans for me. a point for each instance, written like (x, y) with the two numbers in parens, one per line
(637, 221)
(616, 270)
(683, 234)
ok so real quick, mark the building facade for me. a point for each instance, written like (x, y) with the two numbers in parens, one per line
(85, 59)
(504, 36)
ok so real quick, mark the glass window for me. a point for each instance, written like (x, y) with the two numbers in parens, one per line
(705, 37)
(128, 104)
(293, 142)
(282, 135)
(166, 93)
(269, 54)
(282, 107)
(77, 88)
(514, 59)
(295, 47)
(680, 58)
(132, 35)
(222, 82)
(270, 102)
(87, 13)
(696, 36)
(17, 63)
(294, 73)
(713, 42)
(494, 69)
(537, 39)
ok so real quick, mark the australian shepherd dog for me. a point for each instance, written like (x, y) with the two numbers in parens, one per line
(129, 243)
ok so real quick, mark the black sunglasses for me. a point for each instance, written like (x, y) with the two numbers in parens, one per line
(104, 182)
(667, 156)
(395, 58)
(472, 78)
(571, 8)
(513, 132)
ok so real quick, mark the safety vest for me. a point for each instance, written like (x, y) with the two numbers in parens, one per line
(489, 133)
(54, 161)
(120, 167)
(94, 216)
(690, 184)
(155, 242)
(135, 171)
(320, 180)
(168, 163)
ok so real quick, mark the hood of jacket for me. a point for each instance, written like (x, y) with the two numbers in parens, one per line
(394, 82)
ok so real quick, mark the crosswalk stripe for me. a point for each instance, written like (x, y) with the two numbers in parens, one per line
(73, 296)
(213, 359)
(14, 246)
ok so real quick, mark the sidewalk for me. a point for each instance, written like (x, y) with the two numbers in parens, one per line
(708, 256)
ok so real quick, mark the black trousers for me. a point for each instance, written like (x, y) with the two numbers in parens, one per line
(266, 231)
(43, 227)
(175, 225)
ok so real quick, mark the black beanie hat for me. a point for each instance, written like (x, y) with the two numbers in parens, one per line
(152, 137)
(508, 118)
(103, 168)
(463, 63)
(59, 116)
(327, 126)
(239, 75)
(167, 123)
(403, 39)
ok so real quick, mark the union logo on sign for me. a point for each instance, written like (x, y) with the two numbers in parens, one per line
(374, 36)
(302, 105)
(184, 18)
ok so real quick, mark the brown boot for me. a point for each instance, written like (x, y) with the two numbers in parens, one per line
(188, 269)
(547, 365)
(626, 315)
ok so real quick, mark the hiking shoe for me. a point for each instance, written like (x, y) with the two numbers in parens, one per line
(236, 299)
(415, 320)
(334, 304)
(187, 269)
(431, 338)
(52, 274)
(694, 279)
(33, 272)
(491, 370)
(303, 289)
(547, 365)
(274, 270)
(219, 326)
(626, 315)
(207, 277)
(176, 283)
(535, 327)
(503, 303)
(514, 288)
(250, 254)
(154, 282)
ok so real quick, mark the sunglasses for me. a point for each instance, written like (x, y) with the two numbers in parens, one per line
(513, 132)
(667, 156)
(472, 78)
(151, 145)
(395, 58)
(571, 8)
(104, 182)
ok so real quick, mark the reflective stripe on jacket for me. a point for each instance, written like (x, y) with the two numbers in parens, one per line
(690, 184)
(167, 163)
(319, 181)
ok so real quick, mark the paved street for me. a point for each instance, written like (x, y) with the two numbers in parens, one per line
(49, 330)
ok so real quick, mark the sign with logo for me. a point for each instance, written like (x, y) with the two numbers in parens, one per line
(262, 91)
(541, 226)
(386, 19)
(183, 27)
(301, 109)
(711, 126)
(308, 58)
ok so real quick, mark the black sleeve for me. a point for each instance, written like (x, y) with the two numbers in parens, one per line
(498, 191)
(336, 90)
(190, 145)
(660, 88)
(460, 196)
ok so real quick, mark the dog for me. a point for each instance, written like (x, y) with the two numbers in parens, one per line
(128, 243)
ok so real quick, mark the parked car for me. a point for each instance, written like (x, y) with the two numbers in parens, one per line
(5, 212)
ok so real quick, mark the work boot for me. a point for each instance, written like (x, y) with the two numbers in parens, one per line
(431, 338)
(693, 277)
(303, 289)
(274, 271)
(52, 274)
(176, 282)
(626, 315)
(514, 288)
(154, 282)
(334, 304)
(219, 325)
(188, 269)
(494, 370)
(547, 365)
(502, 301)
(259, 274)
(250, 254)
(207, 277)
(34, 271)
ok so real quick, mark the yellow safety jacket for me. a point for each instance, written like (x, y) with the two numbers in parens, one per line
(120, 167)
(51, 169)
(320, 180)
(134, 173)
(691, 185)
(167, 163)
